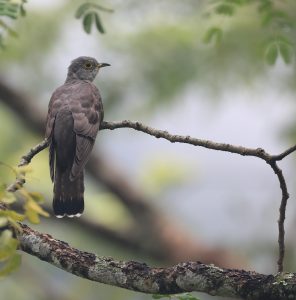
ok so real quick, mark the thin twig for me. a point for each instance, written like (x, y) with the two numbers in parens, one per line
(25, 160)
(258, 152)
(284, 154)
(282, 215)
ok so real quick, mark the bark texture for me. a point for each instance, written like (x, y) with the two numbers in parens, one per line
(183, 277)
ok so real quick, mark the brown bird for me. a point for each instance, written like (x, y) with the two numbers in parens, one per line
(75, 112)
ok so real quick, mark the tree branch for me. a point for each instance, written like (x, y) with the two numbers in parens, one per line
(258, 152)
(183, 277)
(282, 216)
(25, 160)
(163, 236)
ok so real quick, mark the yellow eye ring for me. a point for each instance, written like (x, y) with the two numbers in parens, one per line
(88, 65)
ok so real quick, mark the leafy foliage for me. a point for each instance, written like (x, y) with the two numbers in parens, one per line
(31, 210)
(89, 12)
(9, 259)
(214, 34)
(12, 10)
(278, 46)
(277, 21)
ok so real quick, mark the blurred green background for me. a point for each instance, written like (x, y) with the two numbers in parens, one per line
(167, 73)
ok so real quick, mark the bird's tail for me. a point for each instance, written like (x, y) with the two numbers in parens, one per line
(68, 195)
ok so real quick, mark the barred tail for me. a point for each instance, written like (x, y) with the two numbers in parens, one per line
(68, 195)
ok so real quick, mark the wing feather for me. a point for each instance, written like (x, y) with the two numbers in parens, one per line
(87, 114)
(84, 146)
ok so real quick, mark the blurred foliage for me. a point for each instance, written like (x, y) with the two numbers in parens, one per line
(89, 13)
(11, 9)
(112, 213)
(10, 260)
(162, 173)
(272, 15)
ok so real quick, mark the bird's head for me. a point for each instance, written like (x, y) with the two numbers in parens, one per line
(84, 68)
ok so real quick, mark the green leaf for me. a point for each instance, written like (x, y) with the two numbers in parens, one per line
(6, 197)
(213, 34)
(8, 245)
(38, 197)
(5, 236)
(286, 53)
(12, 32)
(81, 10)
(265, 6)
(32, 205)
(3, 222)
(87, 21)
(9, 198)
(12, 214)
(23, 11)
(274, 15)
(2, 45)
(14, 224)
(271, 53)
(11, 265)
(283, 39)
(225, 9)
(9, 10)
(99, 24)
(23, 169)
(32, 216)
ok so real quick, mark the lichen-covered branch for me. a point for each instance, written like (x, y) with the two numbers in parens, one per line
(183, 277)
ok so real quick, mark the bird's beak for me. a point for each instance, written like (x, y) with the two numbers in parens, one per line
(101, 65)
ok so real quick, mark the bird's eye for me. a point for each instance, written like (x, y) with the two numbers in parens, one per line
(88, 65)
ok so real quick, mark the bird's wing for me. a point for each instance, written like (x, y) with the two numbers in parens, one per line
(54, 106)
(87, 110)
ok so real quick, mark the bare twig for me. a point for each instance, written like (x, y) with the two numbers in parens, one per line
(256, 152)
(186, 139)
(183, 277)
(284, 154)
(25, 160)
(282, 216)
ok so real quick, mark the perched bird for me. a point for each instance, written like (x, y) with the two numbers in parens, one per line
(75, 112)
